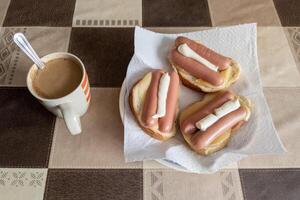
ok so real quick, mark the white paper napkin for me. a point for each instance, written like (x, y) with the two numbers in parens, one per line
(258, 136)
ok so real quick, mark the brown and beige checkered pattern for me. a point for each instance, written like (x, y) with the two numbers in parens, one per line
(39, 159)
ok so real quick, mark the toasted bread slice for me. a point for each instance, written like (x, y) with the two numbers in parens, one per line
(136, 100)
(223, 139)
(230, 75)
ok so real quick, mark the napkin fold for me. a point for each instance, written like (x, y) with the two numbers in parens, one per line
(258, 136)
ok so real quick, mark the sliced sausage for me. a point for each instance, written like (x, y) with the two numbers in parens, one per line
(219, 60)
(166, 122)
(196, 69)
(150, 104)
(188, 125)
(202, 139)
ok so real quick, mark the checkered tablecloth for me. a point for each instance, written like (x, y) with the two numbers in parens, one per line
(39, 159)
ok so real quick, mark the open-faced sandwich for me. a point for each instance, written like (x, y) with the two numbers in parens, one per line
(201, 68)
(207, 125)
(154, 103)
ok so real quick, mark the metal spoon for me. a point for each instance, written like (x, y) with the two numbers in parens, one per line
(24, 45)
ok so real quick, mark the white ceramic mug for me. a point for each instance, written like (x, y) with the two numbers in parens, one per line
(71, 106)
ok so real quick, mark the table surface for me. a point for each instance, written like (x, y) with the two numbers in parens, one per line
(39, 159)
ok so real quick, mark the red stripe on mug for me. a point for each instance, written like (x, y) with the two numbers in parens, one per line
(88, 97)
(85, 80)
(87, 89)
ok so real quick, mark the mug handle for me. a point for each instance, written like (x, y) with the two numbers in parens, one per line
(71, 119)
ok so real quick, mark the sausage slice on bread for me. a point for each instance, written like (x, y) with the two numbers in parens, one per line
(154, 103)
(207, 125)
(201, 68)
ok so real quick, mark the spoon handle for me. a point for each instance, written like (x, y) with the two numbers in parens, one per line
(24, 45)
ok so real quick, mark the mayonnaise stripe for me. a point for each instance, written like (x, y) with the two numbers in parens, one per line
(163, 88)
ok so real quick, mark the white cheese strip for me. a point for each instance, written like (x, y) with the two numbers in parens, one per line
(163, 88)
(185, 50)
(226, 108)
(206, 122)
